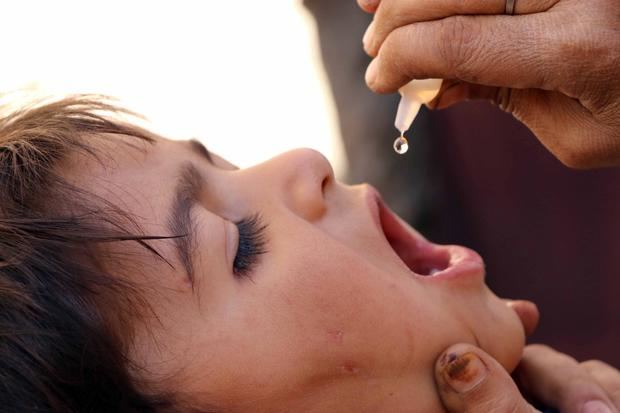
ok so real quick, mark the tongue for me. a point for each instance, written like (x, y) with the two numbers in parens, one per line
(419, 255)
(423, 260)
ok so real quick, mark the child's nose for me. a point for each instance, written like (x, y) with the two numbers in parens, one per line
(306, 174)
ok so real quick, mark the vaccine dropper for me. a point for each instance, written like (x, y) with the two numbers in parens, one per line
(413, 95)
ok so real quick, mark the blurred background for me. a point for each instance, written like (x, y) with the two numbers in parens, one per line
(244, 76)
(252, 79)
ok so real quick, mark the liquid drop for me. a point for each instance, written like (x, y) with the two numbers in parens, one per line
(401, 145)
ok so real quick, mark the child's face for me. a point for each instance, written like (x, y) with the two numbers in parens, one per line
(328, 319)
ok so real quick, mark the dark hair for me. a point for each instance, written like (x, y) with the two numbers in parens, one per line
(60, 351)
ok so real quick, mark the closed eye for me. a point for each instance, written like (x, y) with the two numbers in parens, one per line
(251, 245)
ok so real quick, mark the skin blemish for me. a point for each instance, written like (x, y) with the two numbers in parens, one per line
(335, 336)
(349, 367)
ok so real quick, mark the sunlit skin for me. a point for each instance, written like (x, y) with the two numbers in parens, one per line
(329, 320)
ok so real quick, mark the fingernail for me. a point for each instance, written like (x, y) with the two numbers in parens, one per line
(371, 73)
(370, 4)
(463, 372)
(595, 406)
(367, 39)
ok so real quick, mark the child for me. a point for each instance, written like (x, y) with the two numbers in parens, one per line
(143, 274)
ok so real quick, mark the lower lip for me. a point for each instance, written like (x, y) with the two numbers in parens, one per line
(464, 264)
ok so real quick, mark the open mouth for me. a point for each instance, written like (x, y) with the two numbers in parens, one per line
(422, 258)
(418, 255)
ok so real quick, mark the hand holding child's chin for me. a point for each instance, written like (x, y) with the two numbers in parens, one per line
(470, 380)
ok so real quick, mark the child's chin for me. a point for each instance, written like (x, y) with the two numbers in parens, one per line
(507, 335)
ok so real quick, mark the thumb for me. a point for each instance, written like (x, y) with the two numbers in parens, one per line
(469, 380)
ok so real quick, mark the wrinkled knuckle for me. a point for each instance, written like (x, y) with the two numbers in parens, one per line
(459, 38)
(582, 50)
(579, 43)
(388, 18)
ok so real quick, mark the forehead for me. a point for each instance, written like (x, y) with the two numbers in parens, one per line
(136, 177)
(126, 169)
(127, 161)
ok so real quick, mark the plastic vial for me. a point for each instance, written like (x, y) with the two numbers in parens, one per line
(413, 95)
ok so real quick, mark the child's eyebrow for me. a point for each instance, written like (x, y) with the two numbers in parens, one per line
(180, 222)
(201, 150)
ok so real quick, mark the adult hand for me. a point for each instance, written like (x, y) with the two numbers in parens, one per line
(469, 380)
(554, 64)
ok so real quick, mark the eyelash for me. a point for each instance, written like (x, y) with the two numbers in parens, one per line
(251, 245)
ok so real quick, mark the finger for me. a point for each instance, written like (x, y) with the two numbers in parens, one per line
(368, 34)
(369, 6)
(446, 97)
(527, 312)
(563, 125)
(469, 380)
(501, 51)
(607, 376)
(558, 380)
(392, 14)
(557, 120)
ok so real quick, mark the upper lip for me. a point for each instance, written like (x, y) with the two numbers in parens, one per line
(418, 255)
(374, 201)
